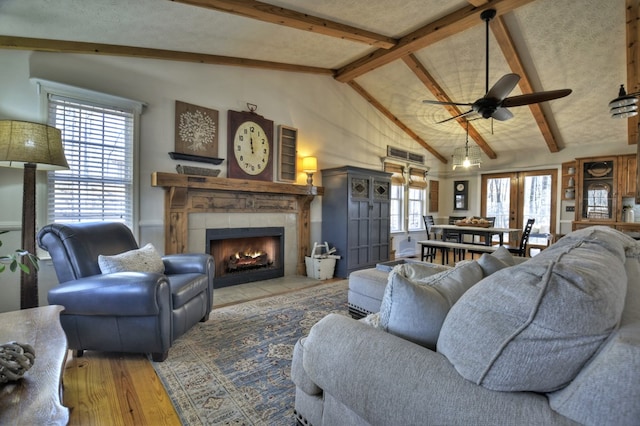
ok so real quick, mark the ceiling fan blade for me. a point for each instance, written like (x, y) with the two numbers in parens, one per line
(534, 98)
(427, 101)
(503, 87)
(455, 116)
(502, 114)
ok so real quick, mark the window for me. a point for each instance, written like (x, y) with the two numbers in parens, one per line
(416, 209)
(416, 201)
(396, 208)
(98, 140)
(512, 198)
(397, 196)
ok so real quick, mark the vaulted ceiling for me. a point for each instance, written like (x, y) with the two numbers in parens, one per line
(394, 53)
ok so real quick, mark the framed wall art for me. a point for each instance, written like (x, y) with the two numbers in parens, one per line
(196, 133)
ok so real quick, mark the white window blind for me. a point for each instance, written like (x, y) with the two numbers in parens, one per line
(98, 145)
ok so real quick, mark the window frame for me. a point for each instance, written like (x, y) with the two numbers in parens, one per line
(399, 202)
(421, 202)
(89, 97)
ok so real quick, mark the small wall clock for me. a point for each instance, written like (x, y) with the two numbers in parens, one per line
(250, 145)
(460, 195)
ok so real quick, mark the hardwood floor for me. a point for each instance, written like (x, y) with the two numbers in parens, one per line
(123, 389)
(115, 389)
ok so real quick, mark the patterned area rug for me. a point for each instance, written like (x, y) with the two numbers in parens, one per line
(235, 368)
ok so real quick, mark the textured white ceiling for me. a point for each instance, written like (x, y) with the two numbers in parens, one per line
(577, 44)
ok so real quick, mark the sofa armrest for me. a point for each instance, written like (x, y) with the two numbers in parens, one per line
(387, 380)
(119, 294)
(199, 263)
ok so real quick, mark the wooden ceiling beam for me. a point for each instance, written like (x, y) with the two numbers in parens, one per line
(290, 18)
(425, 77)
(456, 22)
(510, 52)
(633, 62)
(45, 45)
(477, 3)
(377, 105)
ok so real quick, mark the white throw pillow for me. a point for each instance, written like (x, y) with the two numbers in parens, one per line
(144, 259)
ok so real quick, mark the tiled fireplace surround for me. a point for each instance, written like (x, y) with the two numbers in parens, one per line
(194, 204)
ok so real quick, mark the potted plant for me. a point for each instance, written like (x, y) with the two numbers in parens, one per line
(16, 260)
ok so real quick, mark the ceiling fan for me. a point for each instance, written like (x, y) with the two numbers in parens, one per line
(495, 102)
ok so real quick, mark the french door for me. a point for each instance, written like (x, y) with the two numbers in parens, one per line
(512, 198)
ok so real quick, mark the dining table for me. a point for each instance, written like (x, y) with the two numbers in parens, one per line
(486, 232)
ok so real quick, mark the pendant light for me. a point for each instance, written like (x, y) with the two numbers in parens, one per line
(625, 105)
(466, 156)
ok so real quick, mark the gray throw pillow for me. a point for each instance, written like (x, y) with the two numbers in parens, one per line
(504, 255)
(533, 326)
(144, 259)
(493, 262)
(415, 309)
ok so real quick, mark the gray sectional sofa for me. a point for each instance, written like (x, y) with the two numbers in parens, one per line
(552, 340)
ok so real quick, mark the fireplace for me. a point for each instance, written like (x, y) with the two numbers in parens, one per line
(244, 255)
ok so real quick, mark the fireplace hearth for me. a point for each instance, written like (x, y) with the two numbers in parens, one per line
(245, 255)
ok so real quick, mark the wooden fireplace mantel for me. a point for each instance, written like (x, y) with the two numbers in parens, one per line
(186, 194)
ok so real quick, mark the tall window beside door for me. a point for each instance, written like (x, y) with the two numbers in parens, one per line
(98, 144)
(416, 203)
(396, 208)
(416, 209)
(408, 198)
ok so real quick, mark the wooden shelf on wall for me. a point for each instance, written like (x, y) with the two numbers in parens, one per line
(164, 179)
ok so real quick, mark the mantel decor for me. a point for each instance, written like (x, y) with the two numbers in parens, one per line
(196, 134)
(186, 194)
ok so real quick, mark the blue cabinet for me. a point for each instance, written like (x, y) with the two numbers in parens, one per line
(355, 216)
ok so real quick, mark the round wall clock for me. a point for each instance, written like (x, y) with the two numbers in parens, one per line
(250, 146)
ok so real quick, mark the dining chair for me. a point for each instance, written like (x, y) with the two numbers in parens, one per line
(492, 223)
(430, 255)
(521, 249)
(452, 235)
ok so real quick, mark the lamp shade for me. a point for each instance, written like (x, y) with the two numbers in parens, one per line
(23, 142)
(309, 164)
(467, 156)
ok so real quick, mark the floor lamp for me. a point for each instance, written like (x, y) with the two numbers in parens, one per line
(30, 145)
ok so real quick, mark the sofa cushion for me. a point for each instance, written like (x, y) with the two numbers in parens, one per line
(532, 327)
(607, 391)
(415, 304)
(144, 259)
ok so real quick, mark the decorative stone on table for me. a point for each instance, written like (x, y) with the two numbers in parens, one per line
(15, 359)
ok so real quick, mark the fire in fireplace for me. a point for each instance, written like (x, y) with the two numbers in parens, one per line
(248, 259)
(244, 255)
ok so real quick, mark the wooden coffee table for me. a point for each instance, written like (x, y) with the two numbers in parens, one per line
(36, 399)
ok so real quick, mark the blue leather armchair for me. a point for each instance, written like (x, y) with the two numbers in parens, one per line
(123, 311)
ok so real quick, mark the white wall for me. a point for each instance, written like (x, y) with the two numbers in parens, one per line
(334, 122)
